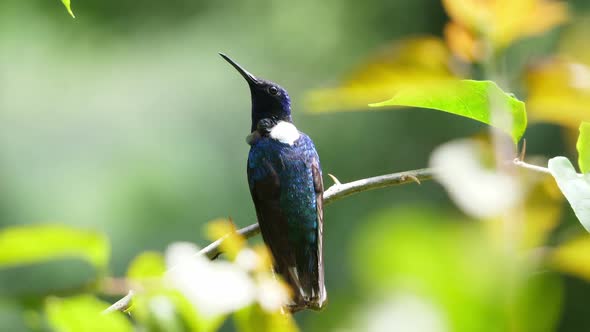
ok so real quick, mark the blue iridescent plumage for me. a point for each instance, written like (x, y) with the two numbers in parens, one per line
(285, 179)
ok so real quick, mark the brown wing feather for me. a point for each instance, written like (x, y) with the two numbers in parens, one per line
(319, 189)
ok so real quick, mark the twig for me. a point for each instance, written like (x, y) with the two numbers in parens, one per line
(335, 192)
(531, 167)
(121, 305)
(519, 161)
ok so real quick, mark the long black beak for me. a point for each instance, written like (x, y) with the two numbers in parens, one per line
(249, 77)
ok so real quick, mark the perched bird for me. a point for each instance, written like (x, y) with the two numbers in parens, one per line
(286, 185)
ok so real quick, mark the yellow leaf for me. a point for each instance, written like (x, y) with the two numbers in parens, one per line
(572, 257)
(559, 92)
(414, 61)
(472, 14)
(552, 14)
(462, 42)
(266, 260)
(233, 241)
(541, 212)
(501, 22)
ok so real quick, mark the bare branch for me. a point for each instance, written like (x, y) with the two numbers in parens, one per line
(121, 305)
(334, 193)
(521, 163)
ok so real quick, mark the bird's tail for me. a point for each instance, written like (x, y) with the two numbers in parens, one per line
(307, 281)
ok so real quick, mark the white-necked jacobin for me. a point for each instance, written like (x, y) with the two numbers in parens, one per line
(285, 179)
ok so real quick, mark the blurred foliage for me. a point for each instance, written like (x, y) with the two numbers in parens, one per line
(583, 146)
(453, 264)
(148, 264)
(123, 124)
(559, 87)
(479, 27)
(411, 62)
(570, 257)
(83, 313)
(51, 242)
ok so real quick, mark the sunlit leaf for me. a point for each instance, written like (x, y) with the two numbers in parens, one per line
(583, 146)
(68, 7)
(31, 244)
(410, 62)
(83, 313)
(575, 187)
(559, 92)
(572, 257)
(483, 101)
(501, 22)
(254, 319)
(148, 264)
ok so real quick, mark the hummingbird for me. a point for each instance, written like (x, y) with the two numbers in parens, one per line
(285, 180)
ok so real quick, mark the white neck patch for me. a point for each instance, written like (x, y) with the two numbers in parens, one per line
(284, 132)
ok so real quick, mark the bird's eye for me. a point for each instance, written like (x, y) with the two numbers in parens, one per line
(273, 90)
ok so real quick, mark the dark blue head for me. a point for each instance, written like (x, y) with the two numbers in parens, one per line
(269, 100)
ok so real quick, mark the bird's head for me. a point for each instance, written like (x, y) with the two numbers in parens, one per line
(269, 100)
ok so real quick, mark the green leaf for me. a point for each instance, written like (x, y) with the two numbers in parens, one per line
(483, 101)
(149, 264)
(575, 187)
(23, 245)
(537, 303)
(69, 9)
(84, 313)
(448, 261)
(57, 276)
(583, 147)
(254, 319)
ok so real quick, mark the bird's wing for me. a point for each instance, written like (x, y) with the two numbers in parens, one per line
(265, 189)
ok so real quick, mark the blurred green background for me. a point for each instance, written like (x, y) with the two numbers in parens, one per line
(125, 120)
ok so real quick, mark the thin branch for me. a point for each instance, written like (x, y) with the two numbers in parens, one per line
(121, 305)
(521, 163)
(335, 192)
